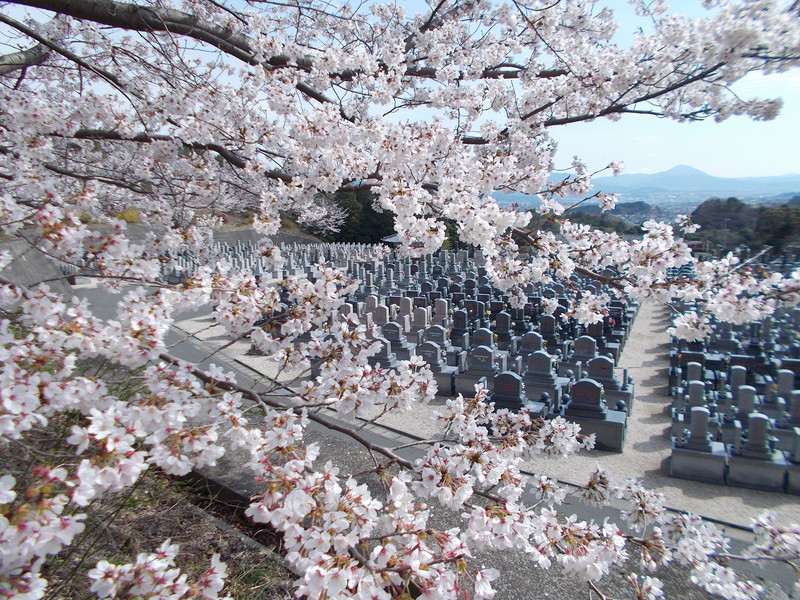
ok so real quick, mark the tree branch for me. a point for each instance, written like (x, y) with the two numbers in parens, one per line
(147, 138)
(317, 418)
(151, 20)
(34, 55)
(134, 187)
(110, 77)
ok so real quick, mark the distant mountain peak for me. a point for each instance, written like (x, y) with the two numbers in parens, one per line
(684, 170)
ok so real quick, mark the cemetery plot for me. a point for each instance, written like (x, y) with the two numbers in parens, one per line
(735, 408)
(442, 309)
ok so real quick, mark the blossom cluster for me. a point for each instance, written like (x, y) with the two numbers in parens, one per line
(117, 118)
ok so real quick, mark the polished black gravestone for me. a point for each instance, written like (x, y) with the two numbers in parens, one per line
(587, 408)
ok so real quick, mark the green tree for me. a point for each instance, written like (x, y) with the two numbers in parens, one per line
(778, 226)
(364, 224)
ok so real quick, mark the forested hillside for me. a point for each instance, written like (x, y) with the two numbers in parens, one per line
(727, 223)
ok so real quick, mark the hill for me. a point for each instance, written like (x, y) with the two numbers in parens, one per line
(630, 211)
(681, 189)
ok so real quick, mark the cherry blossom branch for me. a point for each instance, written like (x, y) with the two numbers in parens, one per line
(316, 417)
(35, 55)
(148, 138)
(109, 77)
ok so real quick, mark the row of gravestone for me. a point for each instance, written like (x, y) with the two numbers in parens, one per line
(356, 259)
(454, 276)
(463, 328)
(535, 384)
(725, 431)
(408, 321)
(758, 343)
(472, 346)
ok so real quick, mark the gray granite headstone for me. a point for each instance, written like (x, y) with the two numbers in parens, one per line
(694, 371)
(738, 377)
(547, 325)
(381, 314)
(431, 353)
(746, 402)
(393, 332)
(785, 384)
(436, 334)
(483, 337)
(584, 349)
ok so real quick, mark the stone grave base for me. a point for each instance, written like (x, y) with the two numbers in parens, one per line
(708, 467)
(793, 479)
(787, 438)
(535, 390)
(756, 474)
(445, 383)
(609, 432)
(465, 383)
(612, 348)
(404, 351)
(537, 410)
(627, 396)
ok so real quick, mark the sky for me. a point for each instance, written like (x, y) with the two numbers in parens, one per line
(737, 147)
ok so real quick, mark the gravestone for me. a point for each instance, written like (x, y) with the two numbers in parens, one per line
(737, 377)
(604, 345)
(785, 384)
(541, 378)
(756, 465)
(483, 337)
(381, 315)
(460, 324)
(420, 319)
(502, 330)
(439, 335)
(681, 415)
(385, 357)
(444, 375)
(394, 333)
(548, 330)
(746, 402)
(509, 392)
(519, 322)
(587, 408)
(695, 456)
(586, 400)
(695, 372)
(441, 309)
(529, 343)
(601, 369)
(476, 312)
(584, 349)
(480, 363)
(371, 303)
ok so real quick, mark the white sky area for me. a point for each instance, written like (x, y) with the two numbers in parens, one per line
(736, 147)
